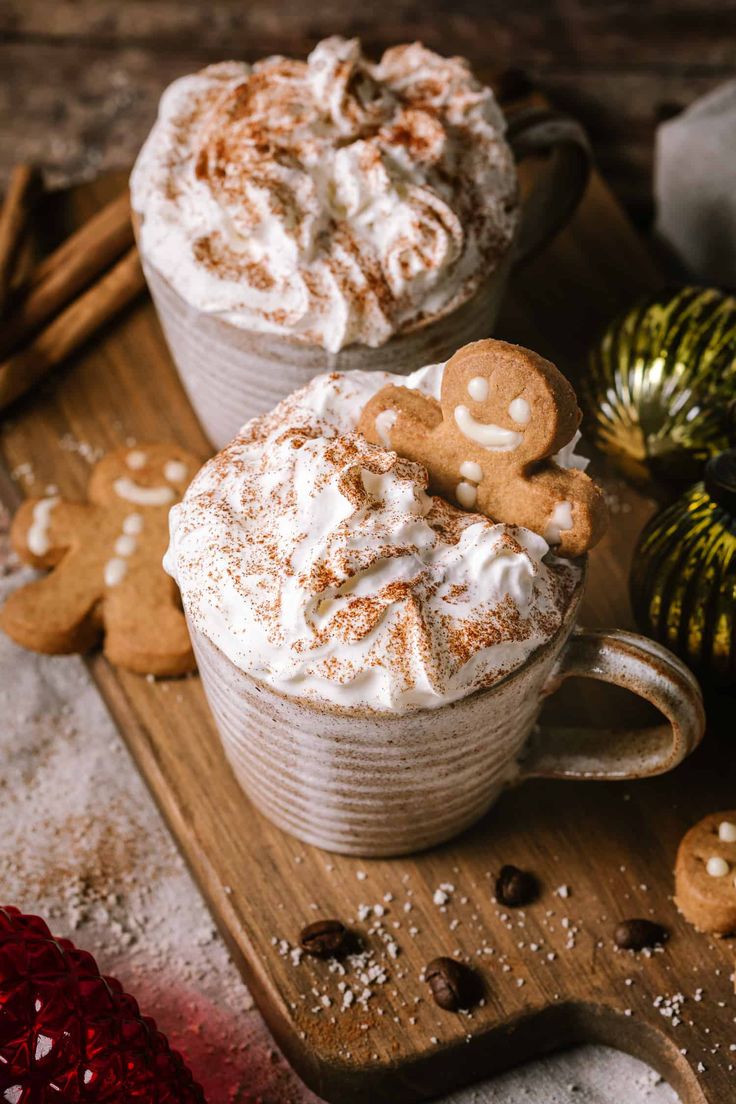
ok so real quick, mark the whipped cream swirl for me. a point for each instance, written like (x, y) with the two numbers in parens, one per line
(332, 200)
(319, 564)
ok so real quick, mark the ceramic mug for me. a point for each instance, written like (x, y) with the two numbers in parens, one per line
(231, 374)
(378, 784)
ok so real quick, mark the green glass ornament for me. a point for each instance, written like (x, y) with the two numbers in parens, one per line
(683, 577)
(661, 384)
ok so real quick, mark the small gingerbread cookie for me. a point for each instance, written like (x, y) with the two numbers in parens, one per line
(105, 555)
(488, 444)
(705, 874)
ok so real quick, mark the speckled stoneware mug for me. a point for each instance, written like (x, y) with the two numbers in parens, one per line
(232, 374)
(380, 784)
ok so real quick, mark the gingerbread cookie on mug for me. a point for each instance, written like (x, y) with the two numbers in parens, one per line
(705, 874)
(106, 578)
(488, 444)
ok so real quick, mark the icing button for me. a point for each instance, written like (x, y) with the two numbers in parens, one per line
(115, 570)
(133, 524)
(470, 470)
(466, 495)
(125, 545)
(727, 831)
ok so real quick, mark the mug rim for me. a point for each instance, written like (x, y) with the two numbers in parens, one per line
(563, 631)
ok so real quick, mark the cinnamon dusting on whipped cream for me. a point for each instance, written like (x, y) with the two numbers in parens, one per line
(333, 200)
(318, 563)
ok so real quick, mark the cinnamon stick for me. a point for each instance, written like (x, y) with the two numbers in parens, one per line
(16, 207)
(63, 336)
(59, 277)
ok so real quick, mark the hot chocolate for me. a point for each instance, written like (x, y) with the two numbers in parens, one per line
(333, 200)
(375, 657)
(319, 564)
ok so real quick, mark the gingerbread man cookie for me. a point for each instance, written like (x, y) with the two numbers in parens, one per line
(488, 444)
(705, 874)
(105, 555)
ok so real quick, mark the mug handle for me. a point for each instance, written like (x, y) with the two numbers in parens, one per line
(649, 670)
(555, 196)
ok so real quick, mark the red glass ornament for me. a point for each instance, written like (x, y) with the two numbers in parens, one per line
(67, 1034)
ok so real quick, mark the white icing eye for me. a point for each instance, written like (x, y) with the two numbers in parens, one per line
(727, 831)
(175, 471)
(717, 867)
(136, 459)
(520, 410)
(478, 388)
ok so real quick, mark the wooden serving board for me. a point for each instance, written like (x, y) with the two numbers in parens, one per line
(552, 976)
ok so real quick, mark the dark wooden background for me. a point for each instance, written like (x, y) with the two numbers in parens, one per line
(79, 79)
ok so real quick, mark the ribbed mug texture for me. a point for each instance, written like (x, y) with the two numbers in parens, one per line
(374, 784)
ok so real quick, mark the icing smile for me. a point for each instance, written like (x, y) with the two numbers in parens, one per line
(486, 434)
(142, 496)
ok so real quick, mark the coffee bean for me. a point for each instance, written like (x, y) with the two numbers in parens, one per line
(324, 938)
(453, 984)
(635, 935)
(515, 887)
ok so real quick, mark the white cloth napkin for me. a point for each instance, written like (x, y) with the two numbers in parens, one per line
(695, 186)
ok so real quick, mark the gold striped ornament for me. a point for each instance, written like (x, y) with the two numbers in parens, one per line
(683, 577)
(660, 389)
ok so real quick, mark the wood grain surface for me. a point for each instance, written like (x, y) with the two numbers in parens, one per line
(551, 973)
(80, 79)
